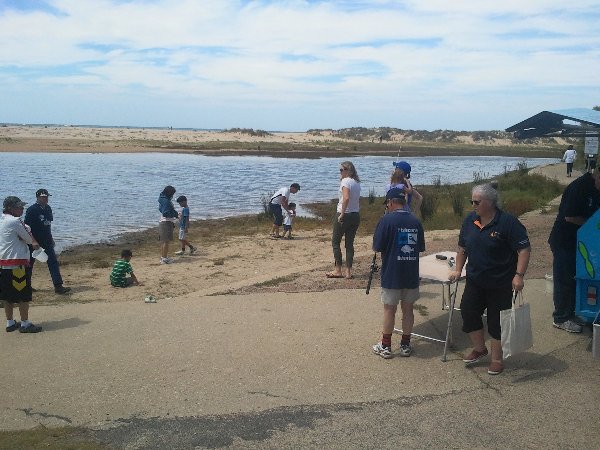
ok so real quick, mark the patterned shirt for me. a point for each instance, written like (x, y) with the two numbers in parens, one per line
(119, 272)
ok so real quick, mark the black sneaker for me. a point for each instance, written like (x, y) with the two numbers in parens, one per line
(31, 328)
(13, 327)
(62, 290)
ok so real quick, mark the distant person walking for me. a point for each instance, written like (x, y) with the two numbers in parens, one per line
(167, 222)
(39, 217)
(347, 220)
(279, 203)
(15, 284)
(569, 157)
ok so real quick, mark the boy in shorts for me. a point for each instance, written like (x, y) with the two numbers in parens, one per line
(288, 220)
(118, 276)
(184, 224)
(399, 236)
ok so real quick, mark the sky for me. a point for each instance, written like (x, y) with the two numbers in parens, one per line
(298, 64)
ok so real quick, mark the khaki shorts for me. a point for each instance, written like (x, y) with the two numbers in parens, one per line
(394, 296)
(165, 231)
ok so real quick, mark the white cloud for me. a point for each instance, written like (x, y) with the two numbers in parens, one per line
(408, 64)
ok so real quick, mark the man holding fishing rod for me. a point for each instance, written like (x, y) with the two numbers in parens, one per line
(399, 236)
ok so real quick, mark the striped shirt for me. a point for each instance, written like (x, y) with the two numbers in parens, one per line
(119, 272)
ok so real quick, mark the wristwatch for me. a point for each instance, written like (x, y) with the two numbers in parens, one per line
(521, 274)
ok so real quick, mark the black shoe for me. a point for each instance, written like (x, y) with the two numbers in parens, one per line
(62, 290)
(13, 327)
(33, 289)
(30, 329)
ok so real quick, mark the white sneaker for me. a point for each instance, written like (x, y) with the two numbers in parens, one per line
(384, 352)
(569, 326)
(179, 253)
(166, 260)
(406, 350)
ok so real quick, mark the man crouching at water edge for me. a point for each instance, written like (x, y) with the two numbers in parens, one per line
(498, 249)
(15, 284)
(399, 236)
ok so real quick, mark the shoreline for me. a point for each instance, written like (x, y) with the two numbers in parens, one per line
(324, 143)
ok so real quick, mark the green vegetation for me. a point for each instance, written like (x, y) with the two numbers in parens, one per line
(444, 207)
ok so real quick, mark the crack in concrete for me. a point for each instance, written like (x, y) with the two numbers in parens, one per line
(268, 394)
(30, 413)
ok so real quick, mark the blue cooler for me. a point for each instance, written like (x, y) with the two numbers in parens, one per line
(588, 269)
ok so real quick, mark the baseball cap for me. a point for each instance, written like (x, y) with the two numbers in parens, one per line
(403, 166)
(12, 202)
(42, 193)
(394, 193)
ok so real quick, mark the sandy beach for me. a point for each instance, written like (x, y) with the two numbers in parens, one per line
(249, 345)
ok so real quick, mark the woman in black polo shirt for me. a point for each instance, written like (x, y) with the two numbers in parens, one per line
(497, 248)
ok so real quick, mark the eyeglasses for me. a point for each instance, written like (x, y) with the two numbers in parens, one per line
(475, 202)
(344, 168)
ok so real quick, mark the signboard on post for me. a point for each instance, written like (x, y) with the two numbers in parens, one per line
(591, 145)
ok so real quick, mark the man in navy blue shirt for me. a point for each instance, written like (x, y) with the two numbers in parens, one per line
(400, 238)
(39, 217)
(579, 202)
(498, 249)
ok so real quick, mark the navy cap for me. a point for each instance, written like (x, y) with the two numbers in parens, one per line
(394, 193)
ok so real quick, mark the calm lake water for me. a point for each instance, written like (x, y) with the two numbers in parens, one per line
(96, 197)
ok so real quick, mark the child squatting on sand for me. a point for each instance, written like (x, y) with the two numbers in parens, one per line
(184, 224)
(118, 276)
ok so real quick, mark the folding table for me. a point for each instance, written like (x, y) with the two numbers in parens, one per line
(437, 270)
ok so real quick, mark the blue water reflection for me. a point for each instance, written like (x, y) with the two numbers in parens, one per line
(96, 197)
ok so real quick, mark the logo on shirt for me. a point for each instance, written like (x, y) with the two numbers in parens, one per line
(406, 239)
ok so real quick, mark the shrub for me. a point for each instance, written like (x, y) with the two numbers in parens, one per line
(265, 199)
(371, 195)
(457, 199)
(429, 205)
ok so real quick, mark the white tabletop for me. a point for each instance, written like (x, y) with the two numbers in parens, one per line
(434, 269)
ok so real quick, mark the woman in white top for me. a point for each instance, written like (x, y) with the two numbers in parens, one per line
(347, 220)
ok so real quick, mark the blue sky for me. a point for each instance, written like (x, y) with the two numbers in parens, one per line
(294, 65)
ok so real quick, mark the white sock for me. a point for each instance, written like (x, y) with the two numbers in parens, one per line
(25, 323)
(10, 323)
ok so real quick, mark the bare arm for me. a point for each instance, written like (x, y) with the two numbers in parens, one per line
(461, 259)
(522, 263)
(345, 201)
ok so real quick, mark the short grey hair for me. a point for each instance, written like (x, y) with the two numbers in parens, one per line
(488, 192)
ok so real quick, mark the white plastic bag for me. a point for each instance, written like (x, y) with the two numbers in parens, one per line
(515, 324)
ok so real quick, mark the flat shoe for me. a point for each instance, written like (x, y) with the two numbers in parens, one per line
(495, 368)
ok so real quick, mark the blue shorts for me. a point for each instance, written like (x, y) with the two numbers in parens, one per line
(277, 213)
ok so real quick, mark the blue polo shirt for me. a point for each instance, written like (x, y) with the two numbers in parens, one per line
(399, 236)
(492, 250)
(40, 218)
